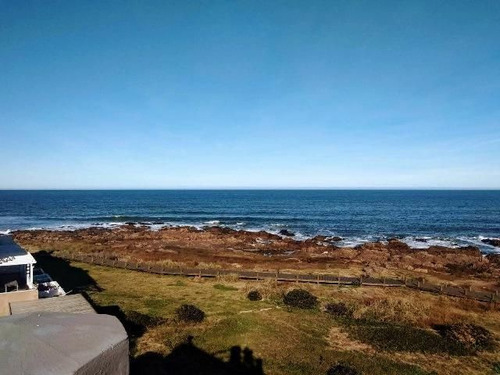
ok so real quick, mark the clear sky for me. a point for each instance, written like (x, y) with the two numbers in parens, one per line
(204, 94)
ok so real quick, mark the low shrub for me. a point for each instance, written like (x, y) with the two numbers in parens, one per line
(342, 369)
(254, 295)
(403, 338)
(300, 298)
(190, 313)
(339, 309)
(471, 337)
(270, 290)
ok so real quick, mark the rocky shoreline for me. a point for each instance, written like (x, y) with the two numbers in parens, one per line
(262, 250)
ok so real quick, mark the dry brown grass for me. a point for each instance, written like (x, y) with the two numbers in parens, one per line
(162, 339)
(340, 340)
(415, 308)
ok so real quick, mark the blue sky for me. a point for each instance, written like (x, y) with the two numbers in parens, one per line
(207, 94)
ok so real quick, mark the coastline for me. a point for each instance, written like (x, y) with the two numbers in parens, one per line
(228, 248)
(414, 241)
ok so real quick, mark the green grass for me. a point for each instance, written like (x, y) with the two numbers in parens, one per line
(289, 341)
(225, 287)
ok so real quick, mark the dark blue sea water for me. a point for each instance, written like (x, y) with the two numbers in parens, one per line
(439, 217)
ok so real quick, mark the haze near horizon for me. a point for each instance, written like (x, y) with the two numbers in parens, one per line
(249, 94)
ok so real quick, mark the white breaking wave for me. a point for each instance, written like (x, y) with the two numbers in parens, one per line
(426, 242)
(212, 222)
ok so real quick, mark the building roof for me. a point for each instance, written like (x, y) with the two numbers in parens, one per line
(11, 254)
(59, 343)
(73, 303)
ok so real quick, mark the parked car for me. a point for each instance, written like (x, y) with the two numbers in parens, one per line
(50, 289)
(42, 278)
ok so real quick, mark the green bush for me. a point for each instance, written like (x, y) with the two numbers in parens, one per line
(190, 313)
(300, 298)
(338, 310)
(254, 295)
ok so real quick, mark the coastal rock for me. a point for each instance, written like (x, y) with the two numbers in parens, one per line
(335, 239)
(494, 259)
(492, 241)
(224, 246)
(286, 232)
(396, 245)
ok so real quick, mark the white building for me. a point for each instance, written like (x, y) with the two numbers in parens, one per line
(16, 274)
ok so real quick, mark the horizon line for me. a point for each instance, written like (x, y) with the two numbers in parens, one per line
(254, 188)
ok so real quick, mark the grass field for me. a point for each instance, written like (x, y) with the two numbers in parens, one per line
(389, 331)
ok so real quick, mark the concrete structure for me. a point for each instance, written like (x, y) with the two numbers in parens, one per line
(63, 344)
(73, 303)
(16, 274)
(22, 295)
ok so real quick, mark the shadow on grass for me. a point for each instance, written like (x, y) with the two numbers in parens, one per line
(78, 280)
(69, 277)
(188, 359)
(185, 359)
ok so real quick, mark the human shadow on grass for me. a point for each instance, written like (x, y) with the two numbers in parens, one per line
(188, 359)
(72, 279)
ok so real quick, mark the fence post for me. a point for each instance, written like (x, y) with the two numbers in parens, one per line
(317, 280)
(361, 280)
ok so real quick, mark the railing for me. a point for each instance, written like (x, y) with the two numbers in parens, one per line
(422, 285)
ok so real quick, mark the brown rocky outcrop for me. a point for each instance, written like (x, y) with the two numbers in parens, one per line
(261, 249)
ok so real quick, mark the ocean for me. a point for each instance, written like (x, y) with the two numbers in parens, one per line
(418, 217)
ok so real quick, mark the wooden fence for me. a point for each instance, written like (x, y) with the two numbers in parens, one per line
(422, 285)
